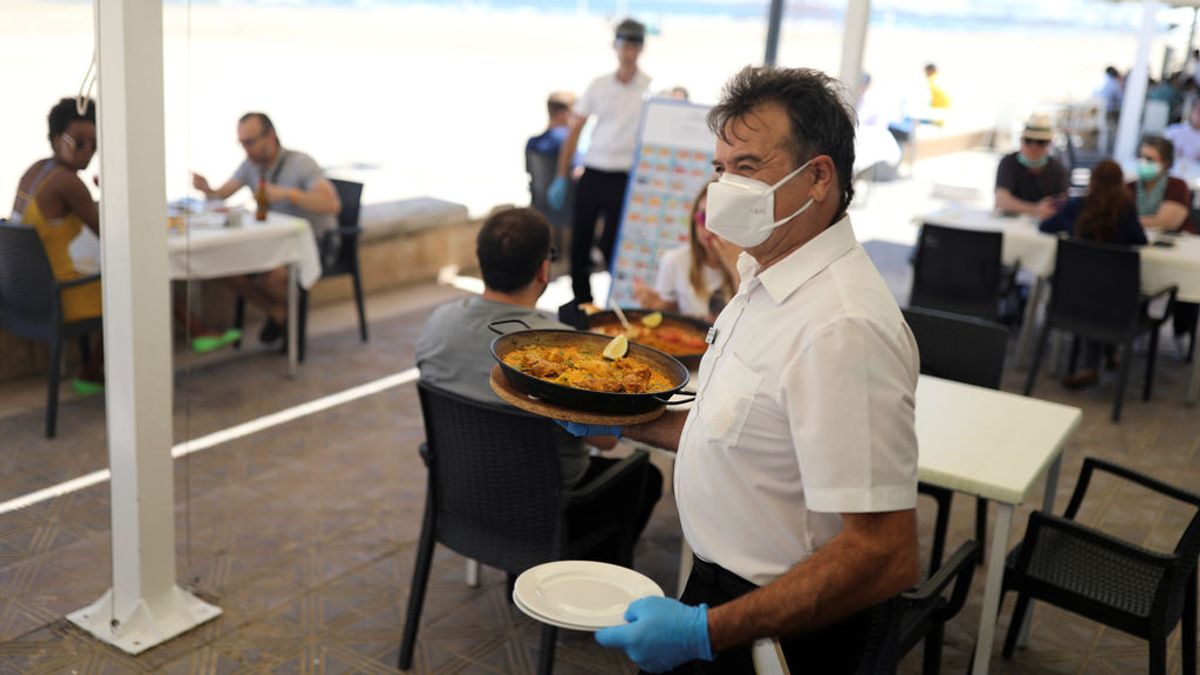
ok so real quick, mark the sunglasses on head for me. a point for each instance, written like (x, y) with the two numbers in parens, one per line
(1041, 143)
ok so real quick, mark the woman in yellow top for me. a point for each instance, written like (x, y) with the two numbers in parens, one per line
(53, 200)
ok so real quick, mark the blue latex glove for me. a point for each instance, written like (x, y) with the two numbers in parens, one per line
(661, 634)
(581, 430)
(556, 194)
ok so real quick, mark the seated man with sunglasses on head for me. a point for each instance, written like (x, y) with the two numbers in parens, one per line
(1030, 181)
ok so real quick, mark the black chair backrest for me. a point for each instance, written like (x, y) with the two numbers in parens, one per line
(27, 285)
(495, 480)
(959, 348)
(957, 270)
(350, 195)
(1095, 285)
(542, 169)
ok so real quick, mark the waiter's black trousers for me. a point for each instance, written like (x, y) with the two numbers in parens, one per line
(832, 650)
(600, 193)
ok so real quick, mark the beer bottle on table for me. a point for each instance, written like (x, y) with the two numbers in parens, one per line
(260, 196)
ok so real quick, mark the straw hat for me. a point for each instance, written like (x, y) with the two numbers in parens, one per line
(1039, 128)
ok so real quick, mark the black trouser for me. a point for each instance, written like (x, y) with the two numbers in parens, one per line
(600, 193)
(831, 650)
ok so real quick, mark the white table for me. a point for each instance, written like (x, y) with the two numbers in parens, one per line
(281, 240)
(994, 445)
(1035, 250)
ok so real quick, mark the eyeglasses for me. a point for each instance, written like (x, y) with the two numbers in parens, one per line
(553, 254)
(1041, 143)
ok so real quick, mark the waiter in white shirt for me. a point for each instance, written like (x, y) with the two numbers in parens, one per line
(615, 100)
(796, 474)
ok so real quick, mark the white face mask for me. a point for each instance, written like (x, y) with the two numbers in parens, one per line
(742, 209)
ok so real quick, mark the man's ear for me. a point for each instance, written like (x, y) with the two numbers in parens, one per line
(543, 274)
(824, 177)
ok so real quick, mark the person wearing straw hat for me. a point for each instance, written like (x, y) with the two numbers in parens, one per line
(1030, 181)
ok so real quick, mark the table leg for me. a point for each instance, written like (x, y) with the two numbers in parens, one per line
(292, 320)
(1193, 387)
(991, 590)
(472, 573)
(1047, 507)
(1028, 327)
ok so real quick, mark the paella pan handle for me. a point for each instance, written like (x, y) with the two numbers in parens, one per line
(497, 331)
(670, 400)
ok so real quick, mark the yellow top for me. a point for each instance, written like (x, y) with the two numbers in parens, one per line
(81, 302)
(938, 98)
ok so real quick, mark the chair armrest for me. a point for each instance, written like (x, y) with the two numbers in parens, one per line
(349, 231)
(71, 283)
(613, 473)
(1039, 521)
(1170, 292)
(1092, 463)
(960, 569)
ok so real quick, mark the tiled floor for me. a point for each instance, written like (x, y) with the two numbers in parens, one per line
(304, 533)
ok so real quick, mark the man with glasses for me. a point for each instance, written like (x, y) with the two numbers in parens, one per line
(514, 252)
(1030, 181)
(295, 185)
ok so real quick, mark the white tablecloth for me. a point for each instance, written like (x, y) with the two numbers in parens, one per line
(281, 240)
(1023, 242)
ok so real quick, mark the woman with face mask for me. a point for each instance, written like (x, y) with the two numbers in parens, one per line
(1162, 200)
(690, 275)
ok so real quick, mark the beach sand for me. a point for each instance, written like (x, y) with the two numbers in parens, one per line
(439, 101)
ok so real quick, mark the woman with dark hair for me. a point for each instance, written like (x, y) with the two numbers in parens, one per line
(1163, 201)
(1106, 214)
(52, 199)
(691, 274)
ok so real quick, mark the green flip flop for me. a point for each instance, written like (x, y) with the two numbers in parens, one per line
(83, 387)
(207, 343)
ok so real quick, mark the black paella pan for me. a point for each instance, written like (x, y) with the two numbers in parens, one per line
(583, 399)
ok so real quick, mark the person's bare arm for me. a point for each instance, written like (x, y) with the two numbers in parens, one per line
(873, 558)
(1169, 217)
(662, 433)
(320, 198)
(79, 200)
(222, 193)
(1005, 201)
(567, 151)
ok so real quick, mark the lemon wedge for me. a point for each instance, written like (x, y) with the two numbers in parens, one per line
(652, 320)
(616, 348)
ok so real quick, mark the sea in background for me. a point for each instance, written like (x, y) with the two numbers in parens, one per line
(438, 99)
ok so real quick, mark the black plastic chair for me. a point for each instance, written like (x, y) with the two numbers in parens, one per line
(31, 304)
(963, 349)
(896, 626)
(495, 495)
(1095, 294)
(1106, 579)
(960, 271)
(339, 257)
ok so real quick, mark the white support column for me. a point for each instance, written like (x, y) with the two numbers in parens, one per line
(144, 607)
(1135, 88)
(854, 41)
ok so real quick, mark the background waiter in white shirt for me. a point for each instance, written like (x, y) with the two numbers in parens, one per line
(796, 468)
(615, 99)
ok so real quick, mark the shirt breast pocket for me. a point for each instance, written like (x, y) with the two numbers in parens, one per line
(728, 399)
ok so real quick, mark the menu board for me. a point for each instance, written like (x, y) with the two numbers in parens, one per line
(673, 162)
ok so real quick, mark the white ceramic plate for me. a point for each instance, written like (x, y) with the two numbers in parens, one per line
(581, 594)
(538, 617)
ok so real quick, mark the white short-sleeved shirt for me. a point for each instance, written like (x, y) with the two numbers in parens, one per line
(673, 285)
(1186, 139)
(804, 411)
(618, 109)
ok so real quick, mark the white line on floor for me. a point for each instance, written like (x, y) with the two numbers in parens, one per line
(224, 436)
